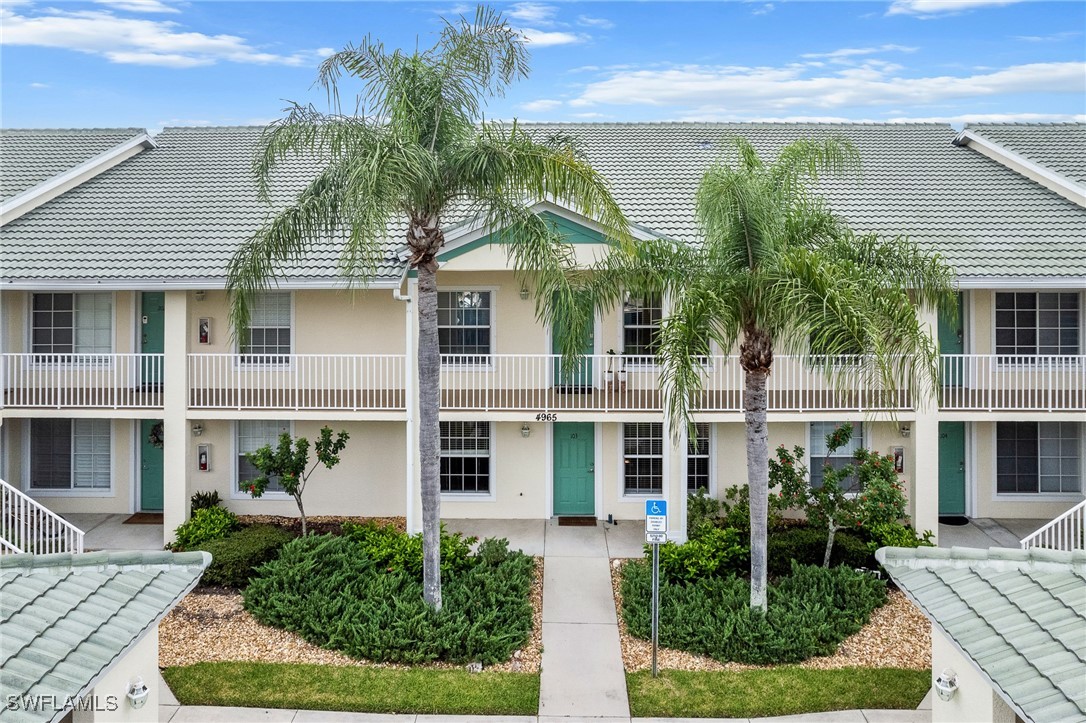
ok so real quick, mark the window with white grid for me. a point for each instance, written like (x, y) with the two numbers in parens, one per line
(1039, 457)
(641, 317)
(463, 326)
(268, 338)
(465, 457)
(1037, 323)
(65, 323)
(643, 457)
(697, 458)
(252, 434)
(70, 454)
(840, 459)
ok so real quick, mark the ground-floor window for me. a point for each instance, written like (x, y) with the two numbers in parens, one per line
(1038, 457)
(839, 459)
(252, 434)
(697, 458)
(643, 457)
(70, 454)
(465, 457)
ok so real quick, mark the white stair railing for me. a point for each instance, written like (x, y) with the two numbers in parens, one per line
(1067, 532)
(27, 526)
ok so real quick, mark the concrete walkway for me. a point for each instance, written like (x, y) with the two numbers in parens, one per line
(204, 714)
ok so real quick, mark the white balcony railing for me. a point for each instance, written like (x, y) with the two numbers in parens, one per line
(1067, 532)
(27, 526)
(96, 381)
(297, 381)
(987, 382)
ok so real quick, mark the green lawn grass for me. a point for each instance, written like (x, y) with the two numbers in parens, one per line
(774, 691)
(372, 690)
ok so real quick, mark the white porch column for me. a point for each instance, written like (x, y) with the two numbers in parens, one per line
(675, 480)
(177, 439)
(925, 433)
(413, 492)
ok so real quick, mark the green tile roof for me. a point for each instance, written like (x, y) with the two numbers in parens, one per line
(33, 155)
(65, 619)
(178, 212)
(1059, 147)
(1020, 615)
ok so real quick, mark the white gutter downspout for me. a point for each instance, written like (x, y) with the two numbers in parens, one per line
(409, 400)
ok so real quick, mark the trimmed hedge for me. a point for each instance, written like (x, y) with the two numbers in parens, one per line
(234, 559)
(810, 612)
(328, 590)
(205, 525)
(807, 546)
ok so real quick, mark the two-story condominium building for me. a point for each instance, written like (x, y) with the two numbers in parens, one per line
(125, 390)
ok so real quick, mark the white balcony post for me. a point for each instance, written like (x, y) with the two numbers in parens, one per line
(925, 434)
(176, 436)
(675, 478)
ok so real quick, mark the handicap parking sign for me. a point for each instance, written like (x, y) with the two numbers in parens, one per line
(655, 515)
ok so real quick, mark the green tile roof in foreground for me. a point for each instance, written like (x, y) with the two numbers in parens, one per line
(30, 156)
(1058, 147)
(1020, 615)
(65, 619)
(177, 212)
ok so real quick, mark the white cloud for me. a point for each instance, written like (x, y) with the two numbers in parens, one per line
(776, 90)
(138, 41)
(602, 23)
(139, 6)
(933, 8)
(534, 13)
(1053, 38)
(843, 53)
(591, 116)
(763, 10)
(38, 86)
(546, 38)
(539, 106)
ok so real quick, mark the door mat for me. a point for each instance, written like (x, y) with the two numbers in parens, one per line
(576, 521)
(954, 520)
(145, 518)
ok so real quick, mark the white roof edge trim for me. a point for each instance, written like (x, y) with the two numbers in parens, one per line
(968, 137)
(27, 197)
(183, 285)
(1072, 283)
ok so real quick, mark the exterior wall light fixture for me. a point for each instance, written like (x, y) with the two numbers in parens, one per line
(200, 295)
(524, 293)
(197, 429)
(906, 430)
(137, 693)
(525, 430)
(946, 685)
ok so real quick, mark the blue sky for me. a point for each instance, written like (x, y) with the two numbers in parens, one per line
(152, 63)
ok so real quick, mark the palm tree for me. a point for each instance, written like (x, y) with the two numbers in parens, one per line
(418, 158)
(776, 270)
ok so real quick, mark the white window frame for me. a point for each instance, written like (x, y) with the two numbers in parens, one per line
(860, 440)
(710, 456)
(488, 364)
(1026, 360)
(464, 496)
(1039, 496)
(104, 359)
(641, 494)
(281, 366)
(71, 491)
(637, 360)
(235, 479)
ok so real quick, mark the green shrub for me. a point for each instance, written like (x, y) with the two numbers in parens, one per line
(702, 512)
(807, 546)
(332, 593)
(810, 612)
(203, 500)
(894, 534)
(210, 523)
(393, 550)
(735, 509)
(714, 552)
(234, 558)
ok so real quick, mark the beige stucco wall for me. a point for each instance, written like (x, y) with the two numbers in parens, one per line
(116, 501)
(975, 700)
(991, 504)
(368, 481)
(112, 690)
(519, 479)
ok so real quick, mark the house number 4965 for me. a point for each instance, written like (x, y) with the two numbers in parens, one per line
(546, 417)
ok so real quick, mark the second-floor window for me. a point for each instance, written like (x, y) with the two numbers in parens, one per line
(268, 338)
(252, 434)
(840, 459)
(641, 317)
(70, 454)
(463, 325)
(1029, 323)
(65, 323)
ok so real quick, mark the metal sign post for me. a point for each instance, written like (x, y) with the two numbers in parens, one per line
(655, 533)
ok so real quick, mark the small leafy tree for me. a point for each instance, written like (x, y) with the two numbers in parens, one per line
(289, 462)
(880, 498)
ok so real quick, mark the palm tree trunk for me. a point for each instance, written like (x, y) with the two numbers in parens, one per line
(429, 362)
(756, 357)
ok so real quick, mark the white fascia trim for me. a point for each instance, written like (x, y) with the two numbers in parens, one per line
(967, 138)
(1022, 282)
(180, 285)
(19, 204)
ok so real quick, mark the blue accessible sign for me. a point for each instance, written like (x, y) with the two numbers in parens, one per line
(655, 515)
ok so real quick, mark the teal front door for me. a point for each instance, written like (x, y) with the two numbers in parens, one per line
(951, 333)
(150, 466)
(577, 376)
(574, 468)
(951, 468)
(152, 325)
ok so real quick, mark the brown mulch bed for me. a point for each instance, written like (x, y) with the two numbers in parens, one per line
(897, 636)
(211, 624)
(319, 524)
